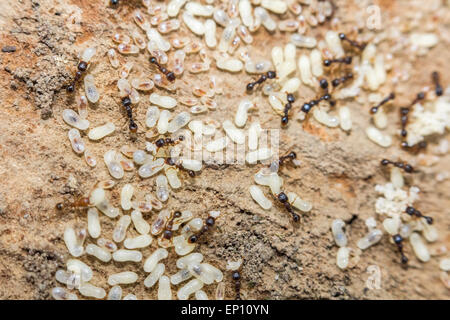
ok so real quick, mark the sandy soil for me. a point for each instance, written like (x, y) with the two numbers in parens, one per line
(282, 260)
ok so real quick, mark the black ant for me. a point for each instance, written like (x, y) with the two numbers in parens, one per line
(435, 76)
(81, 202)
(374, 109)
(404, 112)
(329, 62)
(324, 84)
(289, 157)
(172, 162)
(113, 2)
(82, 67)
(264, 77)
(169, 74)
(209, 222)
(415, 148)
(237, 283)
(309, 105)
(167, 234)
(168, 141)
(398, 240)
(287, 107)
(338, 81)
(352, 219)
(283, 198)
(414, 212)
(402, 165)
(126, 103)
(360, 46)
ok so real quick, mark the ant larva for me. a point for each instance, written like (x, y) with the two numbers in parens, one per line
(404, 111)
(414, 212)
(360, 46)
(402, 165)
(346, 60)
(237, 283)
(172, 162)
(81, 202)
(168, 141)
(338, 81)
(126, 103)
(167, 234)
(209, 222)
(264, 77)
(169, 74)
(398, 240)
(374, 109)
(287, 107)
(283, 198)
(435, 76)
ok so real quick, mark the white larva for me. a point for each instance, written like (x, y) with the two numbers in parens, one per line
(298, 202)
(191, 287)
(178, 122)
(334, 44)
(82, 104)
(217, 145)
(201, 295)
(245, 35)
(444, 265)
(380, 119)
(89, 290)
(397, 178)
(197, 9)
(323, 117)
(169, 26)
(277, 57)
(267, 178)
(205, 272)
(164, 290)
(304, 65)
(245, 10)
(162, 188)
(419, 247)
(378, 137)
(100, 132)
(291, 85)
(392, 225)
(183, 262)
(257, 67)
(98, 252)
(125, 196)
(345, 119)
(259, 197)
(130, 296)
(94, 227)
(124, 255)
(140, 224)
(115, 293)
(125, 277)
(151, 168)
(59, 293)
(172, 177)
(302, 41)
(241, 114)
(191, 164)
(151, 262)
(263, 17)
(195, 25)
(163, 121)
(99, 200)
(80, 268)
(114, 167)
(276, 6)
(138, 242)
(174, 6)
(261, 154)
(210, 33)
(254, 132)
(424, 40)
(87, 55)
(120, 230)
(373, 237)
(230, 64)
(337, 229)
(157, 40)
(180, 276)
(286, 69)
(316, 63)
(235, 134)
(76, 141)
(221, 17)
(182, 246)
(92, 93)
(154, 276)
(343, 257)
(70, 238)
(163, 101)
(73, 119)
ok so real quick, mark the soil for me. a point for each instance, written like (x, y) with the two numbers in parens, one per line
(283, 260)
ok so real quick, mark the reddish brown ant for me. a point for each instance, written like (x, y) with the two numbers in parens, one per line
(168, 233)
(81, 202)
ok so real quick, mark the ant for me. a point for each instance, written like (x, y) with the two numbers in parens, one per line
(404, 111)
(398, 240)
(126, 103)
(402, 165)
(264, 77)
(113, 2)
(435, 76)
(415, 148)
(308, 105)
(82, 67)
(360, 46)
(168, 141)
(172, 162)
(169, 74)
(167, 234)
(414, 212)
(374, 109)
(352, 219)
(237, 283)
(329, 62)
(209, 222)
(289, 157)
(338, 81)
(287, 107)
(81, 202)
(283, 198)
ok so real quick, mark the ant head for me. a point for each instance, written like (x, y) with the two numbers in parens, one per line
(133, 126)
